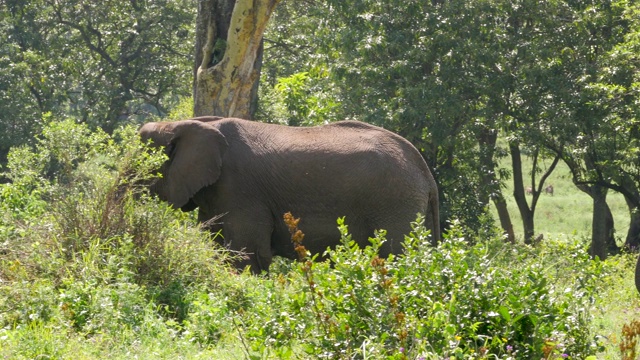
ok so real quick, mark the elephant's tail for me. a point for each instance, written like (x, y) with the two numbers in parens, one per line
(432, 218)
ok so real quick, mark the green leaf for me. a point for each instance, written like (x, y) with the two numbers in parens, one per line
(504, 312)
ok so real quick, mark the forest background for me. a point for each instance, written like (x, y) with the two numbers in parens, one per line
(499, 96)
(554, 80)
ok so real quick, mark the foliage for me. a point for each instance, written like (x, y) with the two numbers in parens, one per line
(105, 65)
(451, 301)
(300, 99)
(94, 267)
(602, 148)
(297, 85)
(182, 110)
(555, 77)
(95, 242)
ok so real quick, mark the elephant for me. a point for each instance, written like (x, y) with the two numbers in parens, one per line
(249, 174)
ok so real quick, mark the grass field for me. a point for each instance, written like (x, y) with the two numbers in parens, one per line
(568, 212)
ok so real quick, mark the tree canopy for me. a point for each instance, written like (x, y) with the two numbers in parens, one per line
(103, 64)
(557, 80)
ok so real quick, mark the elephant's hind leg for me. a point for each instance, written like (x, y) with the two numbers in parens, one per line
(396, 227)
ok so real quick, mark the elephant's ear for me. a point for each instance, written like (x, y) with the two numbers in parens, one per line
(195, 160)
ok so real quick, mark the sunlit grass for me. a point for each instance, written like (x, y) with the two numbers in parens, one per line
(568, 212)
(617, 304)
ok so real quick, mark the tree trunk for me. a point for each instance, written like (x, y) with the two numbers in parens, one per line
(527, 212)
(518, 193)
(612, 247)
(487, 139)
(218, 13)
(632, 241)
(229, 56)
(505, 218)
(602, 224)
(599, 231)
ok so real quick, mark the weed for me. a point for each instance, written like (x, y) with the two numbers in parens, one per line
(630, 334)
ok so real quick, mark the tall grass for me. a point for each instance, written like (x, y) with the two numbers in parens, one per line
(86, 250)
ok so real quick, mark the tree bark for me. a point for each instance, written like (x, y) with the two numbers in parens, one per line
(602, 224)
(505, 218)
(632, 241)
(491, 185)
(518, 193)
(229, 56)
(599, 231)
(527, 213)
(611, 246)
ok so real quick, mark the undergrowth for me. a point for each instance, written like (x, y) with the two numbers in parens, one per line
(92, 266)
(456, 301)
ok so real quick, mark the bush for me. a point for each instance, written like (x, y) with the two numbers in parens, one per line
(80, 223)
(452, 301)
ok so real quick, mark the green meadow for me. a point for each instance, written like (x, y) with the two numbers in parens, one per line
(566, 213)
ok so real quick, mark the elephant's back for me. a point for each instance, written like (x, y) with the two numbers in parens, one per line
(346, 137)
(342, 157)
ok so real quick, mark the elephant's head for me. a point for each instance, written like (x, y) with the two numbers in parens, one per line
(195, 150)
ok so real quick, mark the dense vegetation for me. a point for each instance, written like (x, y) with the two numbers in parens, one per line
(557, 79)
(91, 266)
(102, 64)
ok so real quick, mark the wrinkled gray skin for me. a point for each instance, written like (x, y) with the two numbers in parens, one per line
(254, 172)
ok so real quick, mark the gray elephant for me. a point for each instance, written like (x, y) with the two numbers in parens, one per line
(252, 173)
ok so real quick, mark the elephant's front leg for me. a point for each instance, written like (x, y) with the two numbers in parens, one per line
(252, 238)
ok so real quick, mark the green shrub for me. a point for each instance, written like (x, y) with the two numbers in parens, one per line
(183, 110)
(78, 217)
(38, 340)
(300, 99)
(27, 302)
(455, 300)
